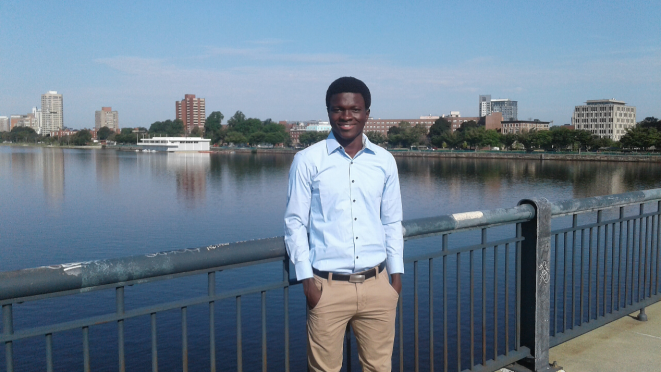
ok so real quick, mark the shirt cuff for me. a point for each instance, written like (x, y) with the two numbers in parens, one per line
(395, 265)
(303, 270)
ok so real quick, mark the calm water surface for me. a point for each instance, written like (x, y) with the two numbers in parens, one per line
(75, 205)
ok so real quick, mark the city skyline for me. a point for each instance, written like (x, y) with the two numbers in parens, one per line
(276, 60)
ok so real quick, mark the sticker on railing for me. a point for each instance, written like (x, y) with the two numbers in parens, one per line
(544, 272)
(467, 216)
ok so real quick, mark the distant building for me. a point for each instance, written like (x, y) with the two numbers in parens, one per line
(4, 124)
(507, 107)
(295, 130)
(106, 118)
(51, 113)
(191, 111)
(29, 120)
(606, 118)
(518, 126)
(322, 126)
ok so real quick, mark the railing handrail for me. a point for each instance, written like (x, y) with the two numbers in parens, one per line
(78, 276)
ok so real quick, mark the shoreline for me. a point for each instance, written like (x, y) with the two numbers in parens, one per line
(586, 156)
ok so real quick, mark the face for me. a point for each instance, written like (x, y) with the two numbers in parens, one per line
(347, 116)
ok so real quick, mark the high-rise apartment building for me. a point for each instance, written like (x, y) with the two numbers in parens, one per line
(106, 118)
(51, 113)
(607, 118)
(507, 107)
(4, 124)
(191, 111)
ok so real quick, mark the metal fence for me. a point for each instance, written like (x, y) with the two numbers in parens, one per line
(487, 289)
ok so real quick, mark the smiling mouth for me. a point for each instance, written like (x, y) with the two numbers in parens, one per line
(346, 126)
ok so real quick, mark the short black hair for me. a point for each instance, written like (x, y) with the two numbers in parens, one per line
(349, 84)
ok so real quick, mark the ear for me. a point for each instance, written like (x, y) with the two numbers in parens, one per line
(367, 112)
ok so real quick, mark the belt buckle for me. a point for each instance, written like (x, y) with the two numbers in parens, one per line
(356, 278)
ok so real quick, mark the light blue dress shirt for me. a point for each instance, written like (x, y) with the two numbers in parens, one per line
(351, 209)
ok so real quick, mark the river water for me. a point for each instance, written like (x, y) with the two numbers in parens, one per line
(70, 205)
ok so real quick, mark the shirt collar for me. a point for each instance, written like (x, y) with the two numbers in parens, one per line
(332, 144)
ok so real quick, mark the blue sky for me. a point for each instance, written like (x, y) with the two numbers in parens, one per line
(275, 59)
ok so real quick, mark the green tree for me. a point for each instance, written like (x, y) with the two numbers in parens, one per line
(308, 138)
(196, 132)
(640, 138)
(509, 139)
(473, 136)
(22, 134)
(275, 138)
(468, 125)
(439, 127)
(376, 137)
(256, 138)
(104, 133)
(236, 138)
(169, 128)
(542, 139)
(213, 123)
(562, 138)
(81, 138)
(491, 138)
(583, 138)
(650, 122)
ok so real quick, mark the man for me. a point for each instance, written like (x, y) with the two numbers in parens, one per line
(344, 193)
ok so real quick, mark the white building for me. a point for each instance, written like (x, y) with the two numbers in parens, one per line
(4, 124)
(507, 107)
(172, 144)
(607, 118)
(322, 126)
(51, 113)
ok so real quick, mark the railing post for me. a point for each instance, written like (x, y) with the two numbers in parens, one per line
(8, 329)
(535, 285)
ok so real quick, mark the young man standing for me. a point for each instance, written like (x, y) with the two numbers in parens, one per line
(344, 193)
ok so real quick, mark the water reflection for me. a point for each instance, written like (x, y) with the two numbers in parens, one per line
(29, 165)
(107, 170)
(190, 171)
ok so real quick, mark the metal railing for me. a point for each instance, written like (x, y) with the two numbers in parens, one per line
(496, 287)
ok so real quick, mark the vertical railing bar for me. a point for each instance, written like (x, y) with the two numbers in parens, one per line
(495, 302)
(581, 294)
(8, 329)
(517, 267)
(613, 268)
(590, 276)
(184, 339)
(472, 310)
(211, 291)
(458, 311)
(619, 260)
(564, 282)
(431, 314)
(154, 344)
(658, 244)
(484, 297)
(239, 336)
(416, 334)
(573, 270)
(507, 298)
(119, 302)
(264, 360)
(652, 241)
(49, 352)
(597, 282)
(86, 349)
(603, 297)
(445, 304)
(647, 233)
(556, 264)
(640, 251)
(285, 295)
(626, 264)
(400, 308)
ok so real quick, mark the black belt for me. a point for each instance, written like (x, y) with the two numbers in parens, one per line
(352, 278)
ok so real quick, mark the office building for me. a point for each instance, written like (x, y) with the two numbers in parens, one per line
(191, 111)
(106, 118)
(4, 124)
(507, 107)
(606, 118)
(29, 120)
(51, 113)
(518, 126)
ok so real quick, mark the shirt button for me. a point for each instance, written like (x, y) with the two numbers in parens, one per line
(354, 200)
(355, 219)
(356, 257)
(356, 238)
(352, 181)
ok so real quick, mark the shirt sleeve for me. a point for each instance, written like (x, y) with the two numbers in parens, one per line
(391, 219)
(297, 217)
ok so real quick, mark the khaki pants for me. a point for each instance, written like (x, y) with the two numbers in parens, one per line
(369, 306)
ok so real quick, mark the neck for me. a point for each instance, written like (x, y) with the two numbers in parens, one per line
(351, 147)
